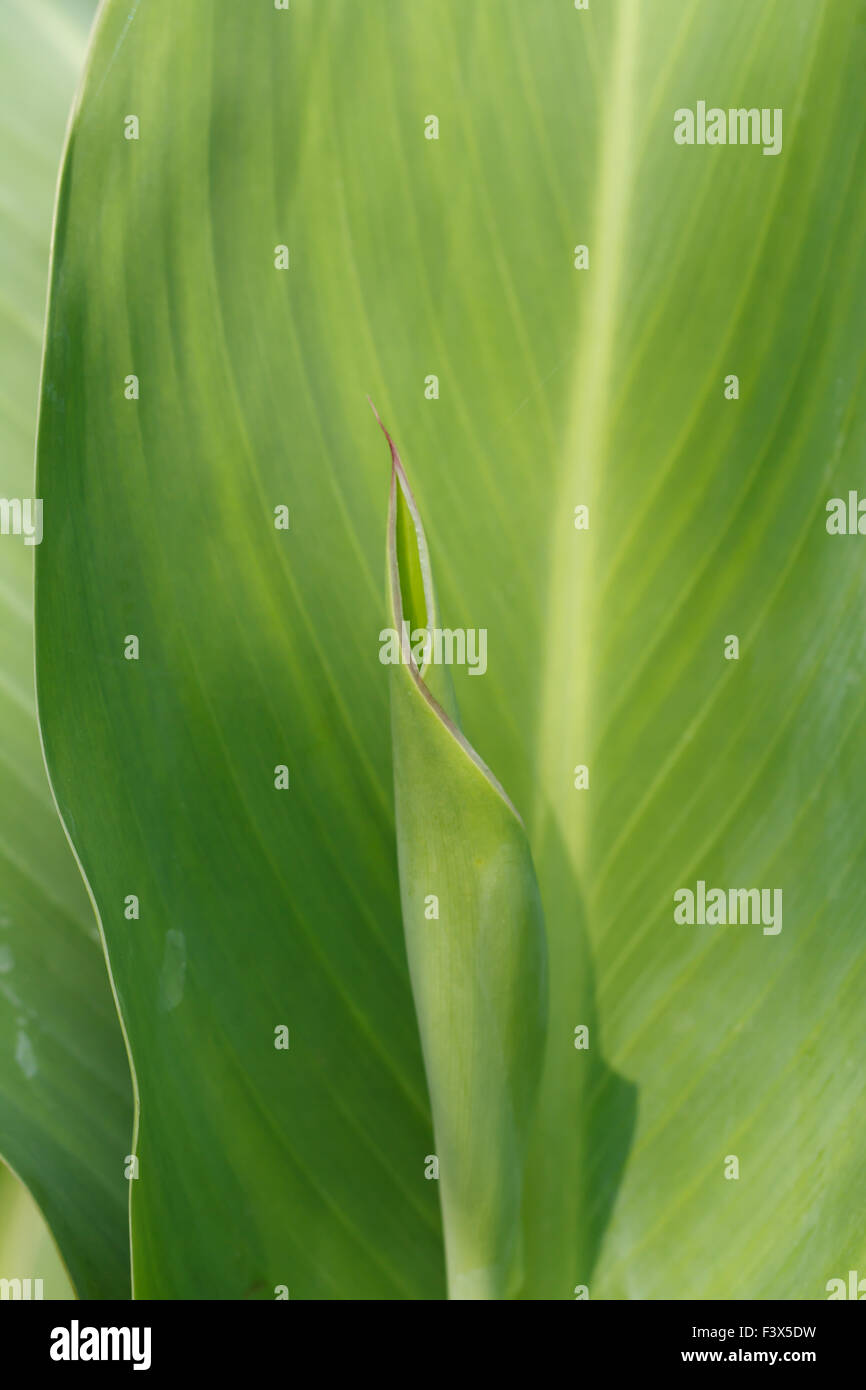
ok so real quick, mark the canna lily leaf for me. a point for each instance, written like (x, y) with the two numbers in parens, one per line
(65, 1095)
(474, 930)
(482, 215)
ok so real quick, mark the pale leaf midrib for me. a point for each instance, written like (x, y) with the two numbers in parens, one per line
(567, 638)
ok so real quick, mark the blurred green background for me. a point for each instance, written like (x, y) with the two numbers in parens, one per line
(26, 1248)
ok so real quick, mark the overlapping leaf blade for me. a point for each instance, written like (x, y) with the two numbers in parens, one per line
(65, 1096)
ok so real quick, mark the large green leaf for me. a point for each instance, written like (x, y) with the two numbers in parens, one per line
(65, 1102)
(558, 387)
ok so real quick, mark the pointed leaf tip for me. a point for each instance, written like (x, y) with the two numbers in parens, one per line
(476, 946)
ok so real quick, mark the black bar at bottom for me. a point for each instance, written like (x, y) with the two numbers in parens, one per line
(150, 1339)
